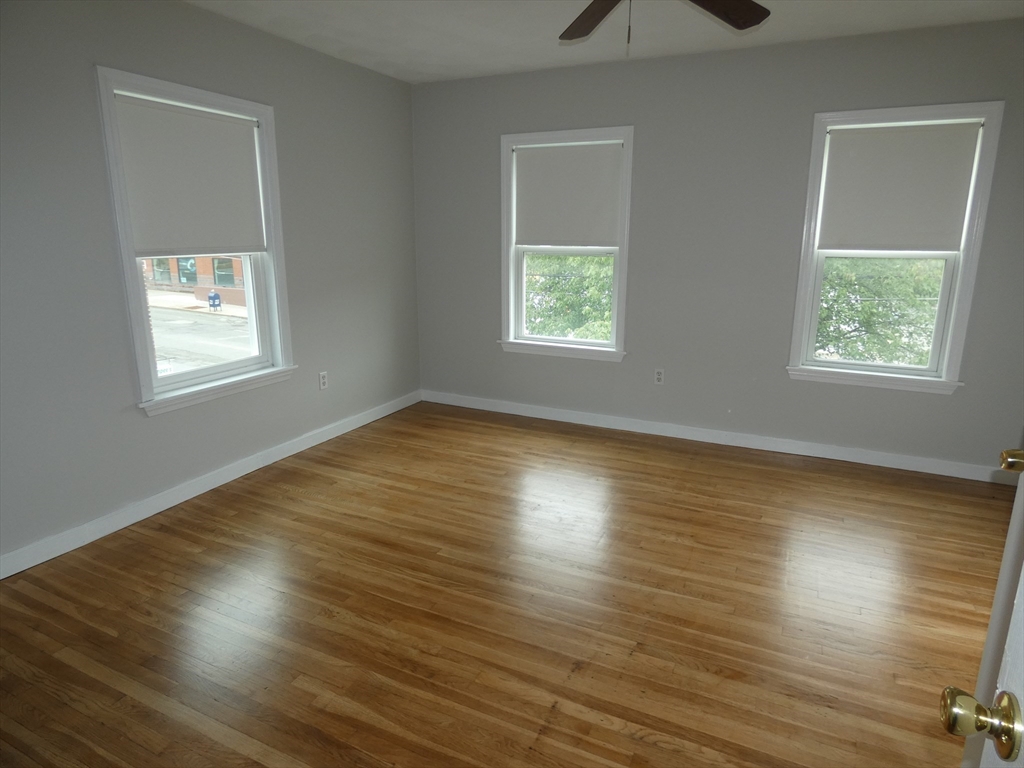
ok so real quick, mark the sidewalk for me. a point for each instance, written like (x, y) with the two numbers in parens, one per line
(175, 300)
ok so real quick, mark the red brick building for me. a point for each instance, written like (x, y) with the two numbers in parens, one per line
(198, 275)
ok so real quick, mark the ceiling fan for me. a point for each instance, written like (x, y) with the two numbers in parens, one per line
(739, 14)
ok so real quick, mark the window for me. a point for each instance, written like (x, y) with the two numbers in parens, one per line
(565, 203)
(194, 182)
(187, 274)
(224, 272)
(161, 270)
(895, 206)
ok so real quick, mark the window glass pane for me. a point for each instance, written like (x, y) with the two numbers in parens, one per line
(193, 331)
(879, 311)
(161, 270)
(224, 272)
(187, 271)
(568, 296)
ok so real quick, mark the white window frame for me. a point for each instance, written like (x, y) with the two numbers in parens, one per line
(514, 338)
(264, 272)
(942, 373)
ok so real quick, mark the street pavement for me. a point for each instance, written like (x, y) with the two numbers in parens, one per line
(187, 335)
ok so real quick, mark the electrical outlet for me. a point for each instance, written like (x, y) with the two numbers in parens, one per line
(323, 379)
(659, 376)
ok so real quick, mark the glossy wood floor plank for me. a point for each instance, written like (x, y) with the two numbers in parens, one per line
(447, 587)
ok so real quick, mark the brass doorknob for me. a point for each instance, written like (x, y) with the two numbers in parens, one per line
(1012, 459)
(962, 715)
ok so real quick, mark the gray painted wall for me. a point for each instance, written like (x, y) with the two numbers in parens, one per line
(720, 173)
(73, 444)
(720, 163)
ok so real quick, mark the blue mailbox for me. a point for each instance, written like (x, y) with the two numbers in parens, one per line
(214, 299)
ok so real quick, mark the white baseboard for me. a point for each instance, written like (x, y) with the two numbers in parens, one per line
(778, 444)
(58, 544)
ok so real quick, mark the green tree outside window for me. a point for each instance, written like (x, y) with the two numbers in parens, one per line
(879, 310)
(569, 297)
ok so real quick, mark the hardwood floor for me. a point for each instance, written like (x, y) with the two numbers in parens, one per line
(447, 587)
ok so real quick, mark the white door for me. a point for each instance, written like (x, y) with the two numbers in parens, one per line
(1002, 662)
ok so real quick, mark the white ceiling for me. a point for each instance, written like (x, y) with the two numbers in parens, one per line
(428, 40)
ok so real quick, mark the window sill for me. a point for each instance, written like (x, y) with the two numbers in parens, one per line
(871, 379)
(201, 393)
(563, 350)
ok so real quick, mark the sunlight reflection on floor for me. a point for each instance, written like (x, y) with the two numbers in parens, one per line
(835, 576)
(562, 516)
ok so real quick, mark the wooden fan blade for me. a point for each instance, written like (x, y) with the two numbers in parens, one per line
(739, 14)
(587, 21)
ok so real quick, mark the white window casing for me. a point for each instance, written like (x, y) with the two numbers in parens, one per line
(565, 193)
(897, 184)
(194, 174)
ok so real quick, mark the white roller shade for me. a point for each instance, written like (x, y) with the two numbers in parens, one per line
(191, 177)
(899, 187)
(568, 195)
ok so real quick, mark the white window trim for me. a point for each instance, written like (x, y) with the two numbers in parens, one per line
(944, 373)
(272, 309)
(512, 340)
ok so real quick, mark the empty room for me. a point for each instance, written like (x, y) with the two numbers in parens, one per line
(429, 383)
